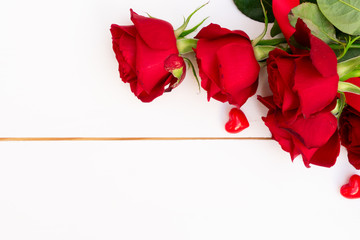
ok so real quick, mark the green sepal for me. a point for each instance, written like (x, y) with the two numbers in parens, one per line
(262, 52)
(186, 45)
(193, 71)
(349, 88)
(272, 42)
(266, 20)
(346, 67)
(182, 28)
(275, 30)
(352, 74)
(178, 72)
(340, 105)
(187, 32)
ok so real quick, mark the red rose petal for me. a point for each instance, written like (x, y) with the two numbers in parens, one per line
(157, 33)
(125, 55)
(323, 57)
(315, 91)
(353, 99)
(238, 71)
(213, 31)
(281, 10)
(326, 155)
(150, 65)
(314, 131)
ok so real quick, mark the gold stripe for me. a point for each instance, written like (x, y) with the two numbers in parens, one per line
(39, 139)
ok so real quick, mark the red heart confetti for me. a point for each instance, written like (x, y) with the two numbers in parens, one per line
(237, 121)
(351, 190)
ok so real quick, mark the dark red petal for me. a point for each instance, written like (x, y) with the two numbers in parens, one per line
(157, 33)
(267, 102)
(353, 99)
(354, 156)
(302, 34)
(286, 98)
(124, 48)
(314, 131)
(315, 91)
(326, 155)
(306, 153)
(281, 9)
(283, 137)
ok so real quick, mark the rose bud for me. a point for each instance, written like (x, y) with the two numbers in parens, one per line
(177, 67)
(142, 50)
(350, 134)
(227, 64)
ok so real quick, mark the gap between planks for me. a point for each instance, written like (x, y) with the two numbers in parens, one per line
(39, 139)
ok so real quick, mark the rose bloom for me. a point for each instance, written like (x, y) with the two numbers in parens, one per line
(306, 83)
(316, 138)
(142, 50)
(304, 90)
(227, 64)
(350, 134)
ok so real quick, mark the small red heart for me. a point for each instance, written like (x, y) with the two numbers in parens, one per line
(352, 189)
(237, 121)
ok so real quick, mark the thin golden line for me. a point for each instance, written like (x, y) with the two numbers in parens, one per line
(39, 139)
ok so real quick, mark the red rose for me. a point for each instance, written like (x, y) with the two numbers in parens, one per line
(227, 64)
(142, 50)
(316, 138)
(350, 134)
(281, 9)
(307, 83)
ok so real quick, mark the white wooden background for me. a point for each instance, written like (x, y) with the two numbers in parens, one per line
(59, 78)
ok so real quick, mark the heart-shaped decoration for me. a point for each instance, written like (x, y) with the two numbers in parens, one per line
(351, 190)
(237, 121)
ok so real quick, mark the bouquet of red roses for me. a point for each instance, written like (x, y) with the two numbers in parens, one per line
(312, 61)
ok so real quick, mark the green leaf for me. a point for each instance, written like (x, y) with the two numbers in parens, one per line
(343, 14)
(253, 9)
(315, 20)
(275, 30)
